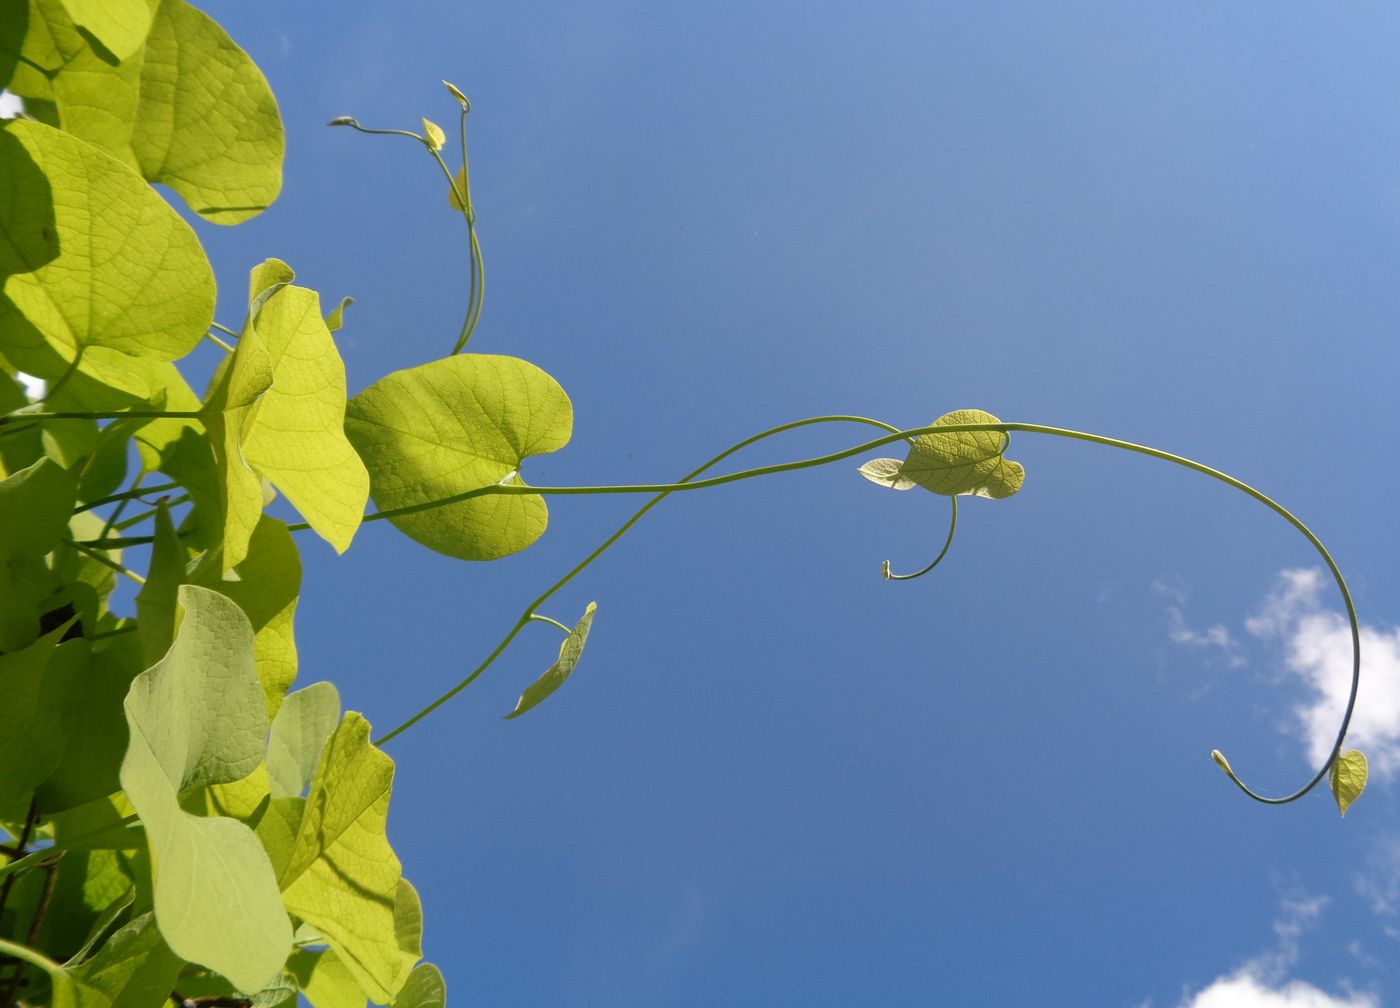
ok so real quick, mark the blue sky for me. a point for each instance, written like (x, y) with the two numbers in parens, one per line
(776, 779)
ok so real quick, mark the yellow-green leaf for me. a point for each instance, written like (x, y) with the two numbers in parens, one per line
(554, 676)
(120, 25)
(434, 135)
(342, 877)
(962, 463)
(197, 718)
(455, 425)
(1347, 778)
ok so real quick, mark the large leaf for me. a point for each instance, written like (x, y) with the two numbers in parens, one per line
(180, 103)
(35, 503)
(130, 276)
(956, 464)
(554, 676)
(197, 718)
(341, 876)
(455, 425)
(297, 439)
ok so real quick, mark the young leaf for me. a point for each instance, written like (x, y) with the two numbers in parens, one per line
(1347, 778)
(197, 718)
(458, 190)
(455, 92)
(324, 980)
(335, 318)
(554, 676)
(455, 425)
(425, 988)
(969, 462)
(885, 471)
(434, 134)
(299, 731)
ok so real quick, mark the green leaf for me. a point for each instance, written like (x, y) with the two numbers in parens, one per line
(324, 980)
(1347, 778)
(265, 586)
(455, 92)
(297, 439)
(207, 125)
(36, 502)
(35, 684)
(299, 731)
(157, 600)
(885, 471)
(965, 463)
(434, 135)
(135, 969)
(130, 275)
(120, 25)
(342, 876)
(458, 190)
(239, 384)
(424, 988)
(67, 993)
(335, 318)
(196, 718)
(454, 425)
(554, 677)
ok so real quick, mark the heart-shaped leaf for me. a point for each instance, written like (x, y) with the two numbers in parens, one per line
(954, 464)
(1348, 778)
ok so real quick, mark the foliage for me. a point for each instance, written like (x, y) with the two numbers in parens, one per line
(182, 826)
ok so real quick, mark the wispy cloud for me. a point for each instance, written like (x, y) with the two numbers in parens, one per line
(1216, 637)
(1317, 648)
(1263, 981)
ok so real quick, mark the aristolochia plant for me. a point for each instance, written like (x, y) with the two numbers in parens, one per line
(180, 826)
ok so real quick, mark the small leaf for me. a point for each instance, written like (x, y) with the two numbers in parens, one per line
(455, 92)
(963, 463)
(554, 677)
(1348, 778)
(303, 723)
(336, 318)
(344, 121)
(885, 471)
(425, 988)
(435, 136)
(458, 190)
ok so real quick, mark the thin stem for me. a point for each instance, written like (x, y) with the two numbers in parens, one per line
(103, 559)
(551, 622)
(952, 527)
(38, 857)
(135, 492)
(222, 345)
(684, 484)
(147, 515)
(122, 415)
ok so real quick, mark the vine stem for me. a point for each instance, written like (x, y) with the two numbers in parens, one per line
(43, 854)
(689, 482)
(19, 415)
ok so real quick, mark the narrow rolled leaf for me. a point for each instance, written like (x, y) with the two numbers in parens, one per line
(885, 471)
(341, 876)
(458, 190)
(335, 318)
(455, 425)
(36, 503)
(130, 276)
(554, 677)
(197, 718)
(963, 463)
(455, 92)
(1347, 778)
(299, 732)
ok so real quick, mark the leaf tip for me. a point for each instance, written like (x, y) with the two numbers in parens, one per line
(456, 92)
(344, 121)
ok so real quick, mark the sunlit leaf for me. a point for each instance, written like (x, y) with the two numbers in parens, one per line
(965, 462)
(335, 318)
(424, 988)
(240, 383)
(130, 277)
(458, 189)
(1347, 778)
(342, 876)
(299, 732)
(197, 718)
(455, 92)
(325, 981)
(455, 425)
(554, 676)
(434, 135)
(120, 25)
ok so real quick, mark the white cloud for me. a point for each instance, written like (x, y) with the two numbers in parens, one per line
(1317, 647)
(1261, 983)
(1180, 632)
(1244, 989)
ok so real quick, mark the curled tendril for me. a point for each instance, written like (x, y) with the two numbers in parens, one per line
(952, 527)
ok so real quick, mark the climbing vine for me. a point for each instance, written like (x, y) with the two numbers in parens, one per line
(181, 824)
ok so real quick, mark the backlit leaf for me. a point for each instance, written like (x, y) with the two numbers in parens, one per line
(454, 425)
(120, 25)
(35, 684)
(434, 135)
(885, 471)
(197, 718)
(554, 676)
(135, 968)
(299, 731)
(342, 876)
(130, 275)
(1347, 778)
(965, 462)
(425, 988)
(324, 980)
